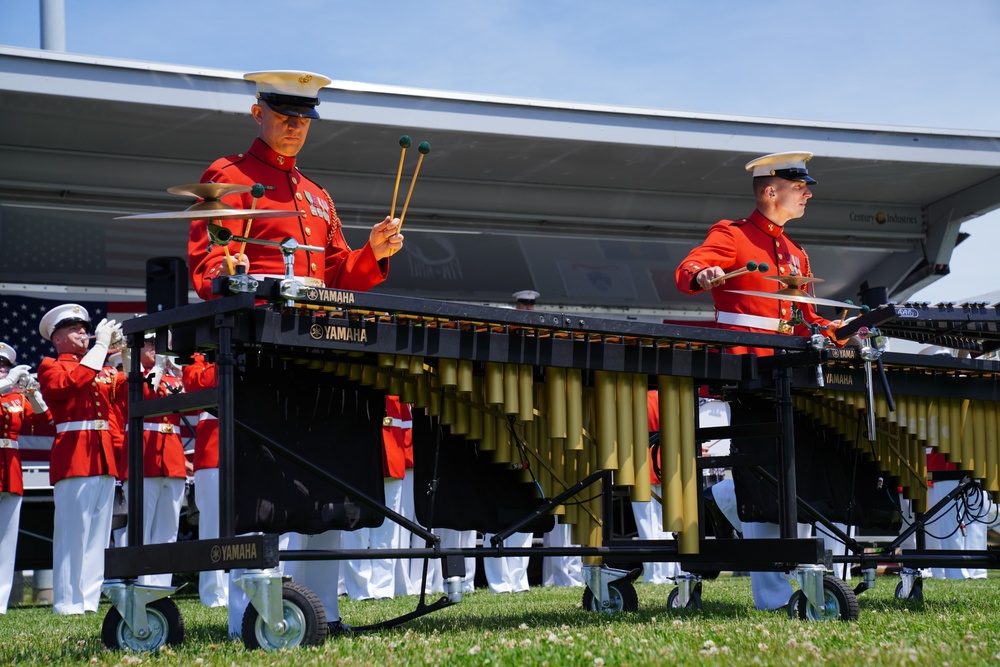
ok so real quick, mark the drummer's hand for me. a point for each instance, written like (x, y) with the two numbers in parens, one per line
(238, 260)
(385, 238)
(705, 277)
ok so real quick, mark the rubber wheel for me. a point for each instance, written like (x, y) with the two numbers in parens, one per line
(839, 602)
(622, 598)
(916, 591)
(694, 600)
(166, 626)
(303, 617)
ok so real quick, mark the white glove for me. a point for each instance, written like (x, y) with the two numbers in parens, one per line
(156, 373)
(104, 332)
(14, 375)
(36, 401)
(126, 360)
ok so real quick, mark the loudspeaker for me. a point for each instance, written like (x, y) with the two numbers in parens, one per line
(166, 283)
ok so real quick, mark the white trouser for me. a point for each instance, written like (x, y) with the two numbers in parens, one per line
(839, 548)
(770, 589)
(450, 539)
(724, 493)
(405, 583)
(945, 525)
(508, 574)
(561, 570)
(649, 523)
(162, 498)
(386, 536)
(81, 532)
(10, 516)
(356, 575)
(320, 576)
(213, 587)
(238, 600)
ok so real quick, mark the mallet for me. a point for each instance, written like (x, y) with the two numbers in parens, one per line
(404, 143)
(257, 190)
(749, 268)
(424, 149)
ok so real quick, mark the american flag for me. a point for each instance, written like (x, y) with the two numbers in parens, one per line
(19, 317)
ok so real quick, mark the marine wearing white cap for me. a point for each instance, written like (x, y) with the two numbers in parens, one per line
(60, 316)
(790, 166)
(289, 92)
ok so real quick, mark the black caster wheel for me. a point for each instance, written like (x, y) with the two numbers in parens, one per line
(694, 601)
(916, 591)
(303, 622)
(622, 598)
(839, 603)
(163, 618)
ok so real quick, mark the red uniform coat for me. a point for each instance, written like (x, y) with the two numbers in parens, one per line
(162, 453)
(201, 375)
(731, 244)
(338, 267)
(15, 414)
(397, 438)
(78, 393)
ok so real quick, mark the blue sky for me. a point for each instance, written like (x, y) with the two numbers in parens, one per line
(917, 63)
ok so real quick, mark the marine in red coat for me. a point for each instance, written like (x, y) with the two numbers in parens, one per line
(286, 107)
(781, 188)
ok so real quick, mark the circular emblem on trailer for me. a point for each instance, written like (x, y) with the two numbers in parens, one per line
(316, 332)
(216, 554)
(312, 294)
(908, 313)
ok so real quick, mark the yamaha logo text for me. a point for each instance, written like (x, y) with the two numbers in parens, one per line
(338, 332)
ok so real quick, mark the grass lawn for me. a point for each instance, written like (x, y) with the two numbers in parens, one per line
(957, 624)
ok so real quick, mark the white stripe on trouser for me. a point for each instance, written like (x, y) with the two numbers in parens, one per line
(161, 511)
(508, 574)
(386, 536)
(770, 589)
(81, 533)
(974, 538)
(213, 587)
(10, 513)
(561, 570)
(649, 524)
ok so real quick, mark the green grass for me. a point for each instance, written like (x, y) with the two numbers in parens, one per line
(958, 624)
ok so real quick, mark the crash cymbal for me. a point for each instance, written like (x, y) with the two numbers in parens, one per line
(209, 191)
(794, 281)
(211, 210)
(797, 295)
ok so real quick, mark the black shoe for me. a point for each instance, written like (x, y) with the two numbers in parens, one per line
(338, 627)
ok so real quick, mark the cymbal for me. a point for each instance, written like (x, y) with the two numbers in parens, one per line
(797, 295)
(208, 191)
(212, 210)
(794, 281)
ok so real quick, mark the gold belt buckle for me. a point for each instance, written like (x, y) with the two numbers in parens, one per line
(387, 421)
(100, 425)
(166, 428)
(785, 327)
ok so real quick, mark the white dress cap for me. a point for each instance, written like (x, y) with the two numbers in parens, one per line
(289, 92)
(791, 166)
(526, 295)
(8, 353)
(62, 315)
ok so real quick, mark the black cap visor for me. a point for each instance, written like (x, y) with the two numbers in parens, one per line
(74, 320)
(291, 105)
(800, 175)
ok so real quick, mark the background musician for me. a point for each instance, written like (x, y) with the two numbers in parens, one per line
(781, 189)
(21, 406)
(286, 105)
(80, 390)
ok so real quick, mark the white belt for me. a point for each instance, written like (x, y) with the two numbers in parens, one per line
(308, 281)
(164, 427)
(398, 423)
(205, 416)
(85, 425)
(752, 321)
(8, 443)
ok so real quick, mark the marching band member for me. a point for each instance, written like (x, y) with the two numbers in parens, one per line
(781, 187)
(286, 105)
(397, 433)
(21, 407)
(81, 391)
(213, 587)
(163, 461)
